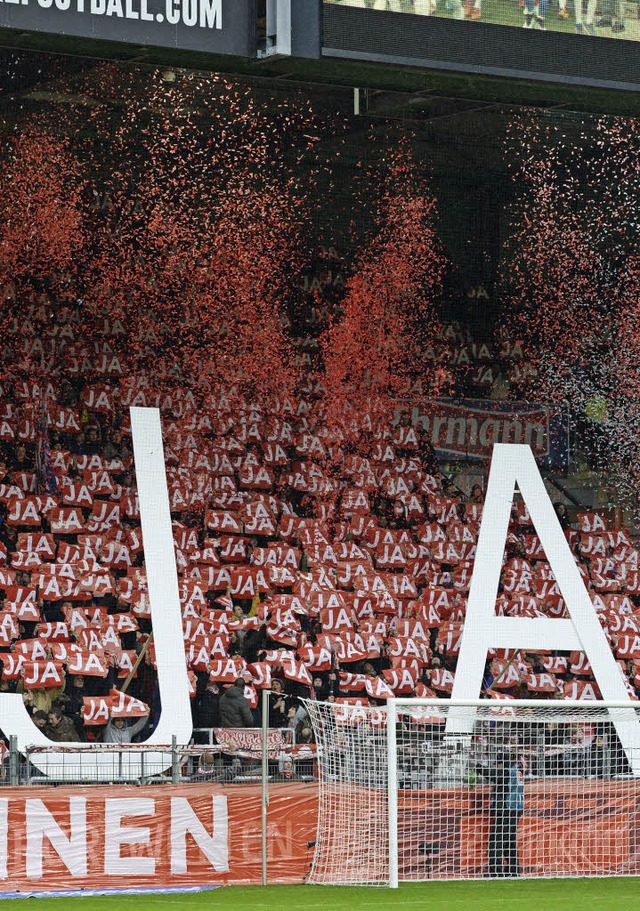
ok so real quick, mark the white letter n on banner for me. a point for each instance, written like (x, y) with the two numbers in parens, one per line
(511, 465)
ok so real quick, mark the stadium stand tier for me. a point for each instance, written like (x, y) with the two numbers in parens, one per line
(344, 580)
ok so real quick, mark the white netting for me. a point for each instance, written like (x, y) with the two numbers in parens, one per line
(352, 844)
(492, 790)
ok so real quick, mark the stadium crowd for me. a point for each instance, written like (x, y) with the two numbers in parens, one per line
(340, 575)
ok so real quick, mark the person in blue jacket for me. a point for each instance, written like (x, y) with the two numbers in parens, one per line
(506, 807)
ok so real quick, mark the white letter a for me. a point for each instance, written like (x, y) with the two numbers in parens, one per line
(511, 465)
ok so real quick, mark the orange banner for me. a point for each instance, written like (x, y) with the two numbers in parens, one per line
(577, 827)
(70, 838)
(152, 837)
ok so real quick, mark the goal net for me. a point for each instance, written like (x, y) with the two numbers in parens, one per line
(431, 789)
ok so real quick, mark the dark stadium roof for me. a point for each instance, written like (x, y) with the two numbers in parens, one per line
(454, 91)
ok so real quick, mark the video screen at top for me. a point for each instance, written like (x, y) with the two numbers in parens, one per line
(596, 18)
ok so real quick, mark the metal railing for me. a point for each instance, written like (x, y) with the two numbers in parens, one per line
(171, 764)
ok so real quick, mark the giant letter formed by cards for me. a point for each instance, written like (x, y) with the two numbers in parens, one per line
(164, 597)
(513, 465)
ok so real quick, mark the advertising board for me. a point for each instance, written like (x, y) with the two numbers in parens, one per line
(216, 26)
(582, 42)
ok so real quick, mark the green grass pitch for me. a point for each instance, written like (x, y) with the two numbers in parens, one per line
(536, 895)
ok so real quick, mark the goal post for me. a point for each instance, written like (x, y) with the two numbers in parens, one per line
(432, 789)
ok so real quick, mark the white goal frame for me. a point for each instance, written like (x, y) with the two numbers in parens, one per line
(461, 715)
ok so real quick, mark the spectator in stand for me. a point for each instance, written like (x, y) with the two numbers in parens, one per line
(8, 686)
(369, 669)
(113, 448)
(291, 719)
(206, 706)
(325, 687)
(304, 732)
(288, 772)
(476, 495)
(231, 762)
(75, 691)
(235, 711)
(208, 764)
(68, 396)
(40, 719)
(254, 642)
(119, 731)
(500, 388)
(90, 443)
(42, 700)
(21, 460)
(596, 760)
(8, 535)
(301, 718)
(562, 514)
(61, 728)
(277, 705)
(427, 453)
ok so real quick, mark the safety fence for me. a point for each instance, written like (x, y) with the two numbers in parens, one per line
(224, 755)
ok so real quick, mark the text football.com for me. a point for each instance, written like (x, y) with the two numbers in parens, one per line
(200, 13)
